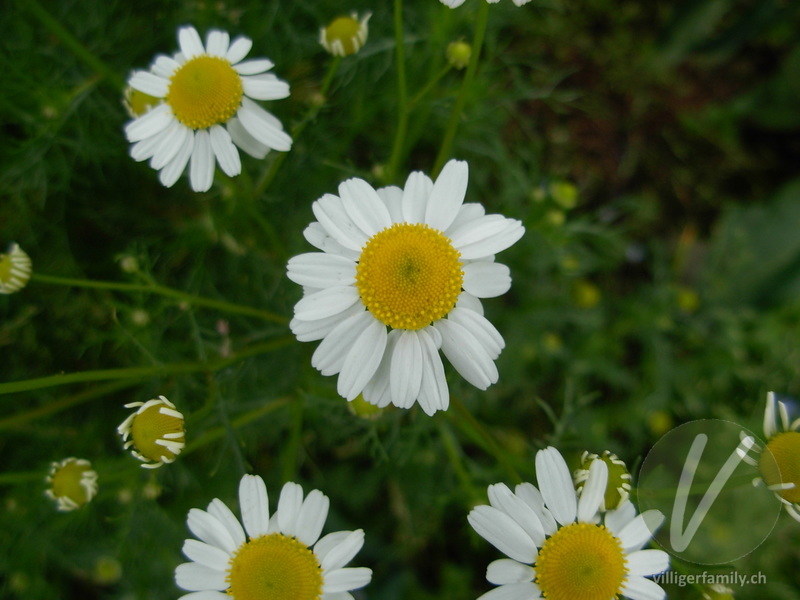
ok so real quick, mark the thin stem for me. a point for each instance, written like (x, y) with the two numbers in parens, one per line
(312, 113)
(162, 290)
(402, 94)
(292, 447)
(139, 373)
(429, 86)
(454, 453)
(72, 43)
(466, 84)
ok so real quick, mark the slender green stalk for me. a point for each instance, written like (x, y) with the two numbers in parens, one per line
(161, 290)
(312, 113)
(454, 453)
(72, 43)
(466, 84)
(138, 373)
(402, 95)
(292, 447)
(429, 86)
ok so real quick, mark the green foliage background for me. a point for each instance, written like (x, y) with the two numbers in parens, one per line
(650, 149)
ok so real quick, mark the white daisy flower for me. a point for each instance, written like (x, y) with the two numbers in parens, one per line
(270, 557)
(557, 546)
(345, 35)
(415, 260)
(73, 483)
(779, 460)
(457, 3)
(208, 109)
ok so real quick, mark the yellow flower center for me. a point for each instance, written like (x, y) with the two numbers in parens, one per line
(345, 30)
(205, 91)
(152, 425)
(409, 276)
(274, 566)
(67, 482)
(581, 561)
(780, 463)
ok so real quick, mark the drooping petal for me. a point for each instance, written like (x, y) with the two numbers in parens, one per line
(362, 360)
(174, 138)
(201, 166)
(170, 173)
(224, 150)
(433, 393)
(378, 390)
(406, 370)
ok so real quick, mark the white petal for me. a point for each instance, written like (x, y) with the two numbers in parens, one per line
(639, 588)
(593, 491)
(150, 84)
(146, 148)
(617, 519)
(201, 167)
(331, 214)
(205, 595)
(503, 533)
(330, 355)
(254, 66)
(217, 43)
(164, 66)
(392, 197)
(170, 173)
(466, 354)
(770, 421)
(239, 49)
(226, 153)
(486, 279)
(415, 197)
(289, 505)
(447, 195)
(311, 331)
(190, 42)
(468, 301)
(209, 530)
(337, 596)
(337, 549)
(343, 580)
(378, 389)
(312, 517)
(326, 303)
(174, 138)
(639, 531)
(194, 577)
(406, 370)
(481, 328)
(523, 515)
(261, 87)
(513, 591)
(244, 140)
(217, 508)
(433, 393)
(555, 484)
(261, 127)
(362, 360)
(364, 206)
(505, 570)
(321, 270)
(533, 498)
(487, 235)
(206, 554)
(150, 123)
(648, 562)
(254, 504)
(470, 211)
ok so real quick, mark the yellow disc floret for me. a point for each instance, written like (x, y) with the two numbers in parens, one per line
(205, 91)
(409, 275)
(73, 483)
(581, 561)
(274, 566)
(155, 433)
(780, 463)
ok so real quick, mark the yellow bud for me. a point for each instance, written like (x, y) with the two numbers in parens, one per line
(458, 54)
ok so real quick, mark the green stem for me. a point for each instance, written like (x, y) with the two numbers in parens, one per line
(402, 95)
(312, 113)
(429, 86)
(139, 373)
(466, 84)
(72, 43)
(454, 453)
(292, 447)
(161, 290)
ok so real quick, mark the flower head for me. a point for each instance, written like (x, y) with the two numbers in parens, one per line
(73, 483)
(278, 556)
(15, 270)
(414, 262)
(618, 486)
(154, 433)
(779, 460)
(458, 54)
(345, 35)
(457, 3)
(206, 108)
(558, 547)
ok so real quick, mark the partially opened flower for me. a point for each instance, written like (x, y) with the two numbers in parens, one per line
(559, 548)
(345, 35)
(399, 278)
(73, 483)
(457, 3)
(15, 270)
(154, 433)
(618, 486)
(278, 556)
(779, 460)
(208, 109)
